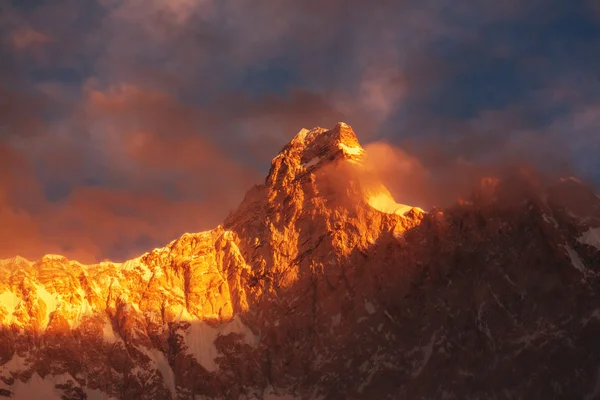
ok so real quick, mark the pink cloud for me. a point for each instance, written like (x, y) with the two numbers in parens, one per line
(26, 37)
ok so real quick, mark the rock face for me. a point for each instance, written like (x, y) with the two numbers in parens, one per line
(321, 286)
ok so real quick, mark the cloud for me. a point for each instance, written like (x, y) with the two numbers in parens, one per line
(132, 167)
(178, 106)
(263, 125)
(15, 112)
(381, 92)
(94, 222)
(404, 175)
(19, 231)
(141, 171)
(121, 223)
(26, 37)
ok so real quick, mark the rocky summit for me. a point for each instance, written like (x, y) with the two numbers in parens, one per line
(321, 286)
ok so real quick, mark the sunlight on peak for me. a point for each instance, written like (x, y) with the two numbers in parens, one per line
(302, 134)
(53, 257)
(385, 203)
(307, 135)
(354, 151)
(14, 260)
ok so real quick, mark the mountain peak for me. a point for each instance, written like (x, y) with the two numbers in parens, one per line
(310, 146)
(338, 148)
(340, 132)
(311, 149)
(345, 134)
(16, 260)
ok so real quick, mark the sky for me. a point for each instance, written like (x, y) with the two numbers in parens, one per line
(125, 123)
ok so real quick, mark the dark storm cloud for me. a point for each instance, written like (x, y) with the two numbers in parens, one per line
(516, 88)
(128, 122)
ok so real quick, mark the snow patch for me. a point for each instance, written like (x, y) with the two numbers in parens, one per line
(312, 162)
(52, 301)
(570, 178)
(130, 265)
(108, 333)
(387, 314)
(354, 151)
(426, 351)
(162, 364)
(591, 237)
(153, 317)
(15, 364)
(575, 260)
(41, 388)
(200, 337)
(594, 315)
(369, 307)
(184, 315)
(157, 273)
(82, 310)
(302, 134)
(550, 220)
(136, 265)
(146, 272)
(398, 235)
(9, 301)
(386, 204)
(481, 324)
